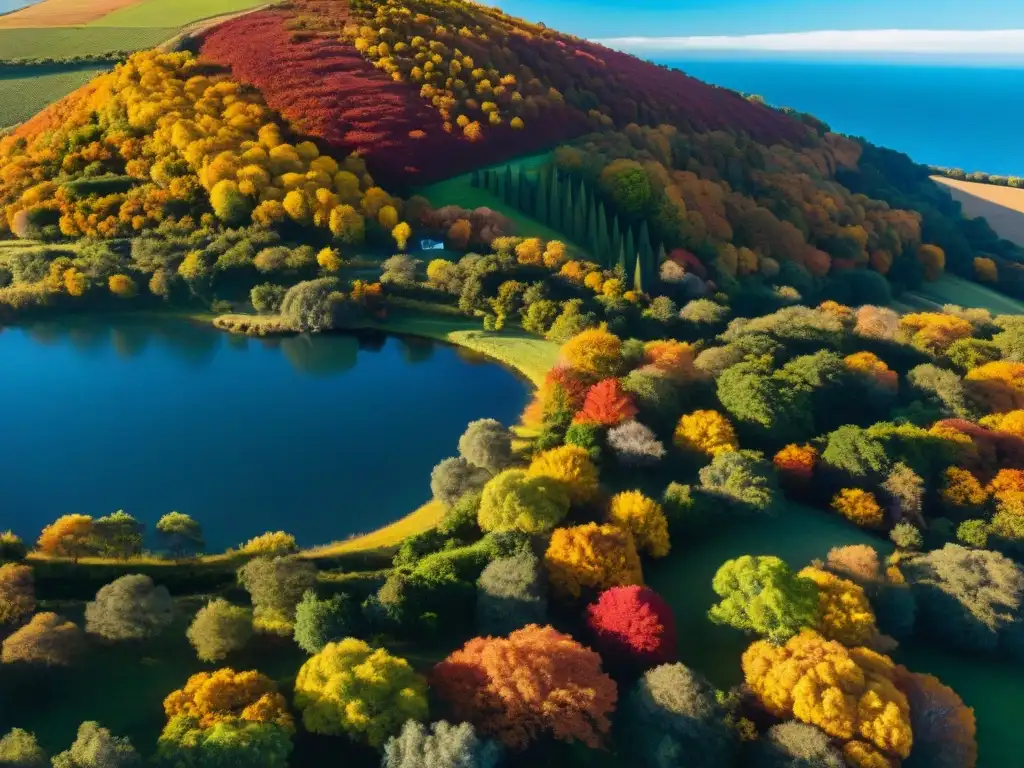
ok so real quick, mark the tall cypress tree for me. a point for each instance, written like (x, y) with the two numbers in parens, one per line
(579, 218)
(509, 193)
(638, 276)
(620, 265)
(631, 252)
(661, 259)
(555, 202)
(474, 179)
(616, 242)
(646, 257)
(525, 198)
(593, 239)
(567, 208)
(604, 246)
(540, 209)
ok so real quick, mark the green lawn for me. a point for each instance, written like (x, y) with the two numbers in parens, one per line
(172, 13)
(798, 535)
(57, 42)
(955, 290)
(459, 191)
(30, 89)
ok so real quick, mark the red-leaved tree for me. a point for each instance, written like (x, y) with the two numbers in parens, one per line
(536, 681)
(633, 626)
(606, 404)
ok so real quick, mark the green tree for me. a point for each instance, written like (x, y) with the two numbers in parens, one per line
(307, 306)
(852, 450)
(511, 593)
(266, 298)
(129, 608)
(487, 444)
(118, 535)
(796, 745)
(740, 476)
(218, 629)
(762, 595)
(96, 747)
(453, 478)
(319, 622)
(180, 533)
(276, 585)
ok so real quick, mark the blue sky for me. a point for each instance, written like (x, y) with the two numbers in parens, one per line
(608, 18)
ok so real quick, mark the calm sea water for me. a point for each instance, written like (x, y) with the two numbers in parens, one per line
(963, 117)
(322, 437)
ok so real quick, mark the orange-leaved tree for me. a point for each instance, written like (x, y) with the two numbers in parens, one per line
(945, 731)
(872, 367)
(643, 518)
(68, 536)
(847, 692)
(934, 331)
(998, 385)
(706, 432)
(933, 259)
(962, 494)
(571, 467)
(795, 465)
(592, 557)
(859, 506)
(673, 358)
(533, 683)
(606, 404)
(227, 696)
(595, 352)
(844, 612)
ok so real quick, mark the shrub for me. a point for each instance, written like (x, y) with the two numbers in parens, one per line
(762, 595)
(47, 639)
(962, 494)
(96, 747)
(511, 593)
(968, 599)
(487, 444)
(944, 728)
(973, 533)
(237, 743)
(459, 522)
(17, 593)
(266, 298)
(68, 536)
(643, 518)
(707, 432)
(118, 535)
(514, 501)
(307, 306)
(848, 693)
(571, 467)
(455, 477)
(319, 622)
(606, 404)
(218, 629)
(592, 557)
(535, 682)
(594, 352)
(180, 533)
(271, 544)
(672, 712)
(11, 547)
(130, 608)
(635, 445)
(442, 745)
(586, 436)
(368, 694)
(844, 613)
(633, 626)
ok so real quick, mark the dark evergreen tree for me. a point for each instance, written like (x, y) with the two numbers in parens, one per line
(638, 275)
(620, 265)
(567, 209)
(474, 179)
(579, 218)
(593, 240)
(631, 252)
(540, 209)
(604, 253)
(555, 202)
(616, 243)
(525, 203)
(509, 192)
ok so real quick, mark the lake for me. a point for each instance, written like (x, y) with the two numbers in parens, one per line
(323, 437)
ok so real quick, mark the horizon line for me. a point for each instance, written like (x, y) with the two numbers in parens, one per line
(1001, 42)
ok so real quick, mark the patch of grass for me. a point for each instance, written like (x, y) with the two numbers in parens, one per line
(388, 537)
(27, 90)
(172, 13)
(459, 191)
(250, 325)
(59, 42)
(950, 289)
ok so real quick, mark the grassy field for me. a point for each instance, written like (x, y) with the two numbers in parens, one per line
(171, 13)
(955, 290)
(798, 535)
(59, 42)
(61, 13)
(27, 91)
(459, 191)
(1002, 207)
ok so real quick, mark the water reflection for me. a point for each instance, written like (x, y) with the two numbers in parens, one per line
(415, 349)
(328, 355)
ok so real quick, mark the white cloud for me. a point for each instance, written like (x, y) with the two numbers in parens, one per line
(997, 42)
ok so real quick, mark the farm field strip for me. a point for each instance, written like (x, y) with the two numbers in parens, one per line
(25, 94)
(1002, 207)
(167, 13)
(61, 13)
(57, 42)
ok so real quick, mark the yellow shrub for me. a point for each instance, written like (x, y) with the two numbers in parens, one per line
(844, 612)
(707, 432)
(643, 518)
(593, 557)
(859, 506)
(571, 466)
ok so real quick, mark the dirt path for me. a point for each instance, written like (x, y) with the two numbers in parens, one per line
(1003, 207)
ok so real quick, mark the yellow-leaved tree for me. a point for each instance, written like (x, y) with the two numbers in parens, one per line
(707, 432)
(366, 693)
(847, 692)
(571, 467)
(643, 518)
(859, 506)
(595, 352)
(227, 696)
(844, 612)
(592, 557)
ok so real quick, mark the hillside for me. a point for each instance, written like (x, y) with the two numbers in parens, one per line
(428, 89)
(1002, 207)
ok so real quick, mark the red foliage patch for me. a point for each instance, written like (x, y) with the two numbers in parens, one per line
(329, 91)
(996, 449)
(633, 625)
(606, 404)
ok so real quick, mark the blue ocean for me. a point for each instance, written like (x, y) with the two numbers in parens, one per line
(962, 117)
